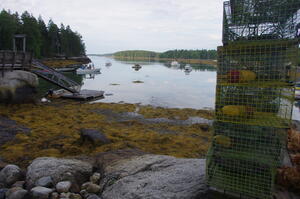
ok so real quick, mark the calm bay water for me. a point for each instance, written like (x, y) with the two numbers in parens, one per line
(160, 84)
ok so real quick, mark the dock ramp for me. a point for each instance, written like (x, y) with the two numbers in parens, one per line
(54, 77)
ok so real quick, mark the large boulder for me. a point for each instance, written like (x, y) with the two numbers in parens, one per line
(58, 169)
(154, 176)
(18, 86)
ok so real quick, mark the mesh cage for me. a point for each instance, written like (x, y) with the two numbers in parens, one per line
(254, 105)
(243, 177)
(268, 63)
(246, 20)
(254, 95)
(261, 145)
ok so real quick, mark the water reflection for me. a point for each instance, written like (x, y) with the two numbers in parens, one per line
(159, 84)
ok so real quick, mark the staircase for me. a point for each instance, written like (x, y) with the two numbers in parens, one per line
(54, 77)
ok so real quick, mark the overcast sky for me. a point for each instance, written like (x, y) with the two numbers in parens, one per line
(113, 25)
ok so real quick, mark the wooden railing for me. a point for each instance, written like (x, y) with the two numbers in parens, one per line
(10, 60)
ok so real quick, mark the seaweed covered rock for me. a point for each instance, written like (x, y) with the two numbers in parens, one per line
(9, 129)
(155, 176)
(18, 87)
(93, 136)
(58, 169)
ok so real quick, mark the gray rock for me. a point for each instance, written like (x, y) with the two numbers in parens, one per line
(63, 187)
(95, 178)
(11, 190)
(93, 196)
(94, 136)
(65, 195)
(19, 184)
(93, 188)
(18, 87)
(85, 185)
(155, 176)
(54, 195)
(2, 193)
(57, 168)
(75, 196)
(84, 193)
(10, 174)
(44, 182)
(17, 193)
(41, 192)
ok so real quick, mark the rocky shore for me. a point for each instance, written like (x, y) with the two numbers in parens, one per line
(125, 174)
(110, 151)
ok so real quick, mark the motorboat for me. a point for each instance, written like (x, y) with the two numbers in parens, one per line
(88, 69)
(175, 64)
(136, 67)
(107, 64)
(188, 68)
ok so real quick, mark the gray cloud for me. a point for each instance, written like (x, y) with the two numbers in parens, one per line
(108, 26)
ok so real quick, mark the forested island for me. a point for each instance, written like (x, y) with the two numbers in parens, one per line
(171, 54)
(44, 40)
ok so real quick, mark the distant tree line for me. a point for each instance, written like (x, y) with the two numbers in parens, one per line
(173, 54)
(136, 53)
(190, 54)
(43, 40)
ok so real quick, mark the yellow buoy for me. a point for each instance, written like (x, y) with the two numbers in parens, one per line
(222, 140)
(247, 75)
(234, 110)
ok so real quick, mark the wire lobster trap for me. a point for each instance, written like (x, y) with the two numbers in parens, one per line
(263, 64)
(254, 94)
(246, 20)
(247, 178)
(266, 107)
(262, 145)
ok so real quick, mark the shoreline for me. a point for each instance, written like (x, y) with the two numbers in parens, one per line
(187, 61)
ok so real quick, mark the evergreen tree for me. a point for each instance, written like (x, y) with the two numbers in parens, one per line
(9, 25)
(53, 39)
(44, 41)
(31, 29)
(44, 37)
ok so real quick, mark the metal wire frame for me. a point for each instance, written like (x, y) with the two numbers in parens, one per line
(269, 63)
(246, 20)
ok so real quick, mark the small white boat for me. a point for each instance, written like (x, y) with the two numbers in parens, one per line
(88, 69)
(80, 71)
(175, 64)
(108, 64)
(188, 68)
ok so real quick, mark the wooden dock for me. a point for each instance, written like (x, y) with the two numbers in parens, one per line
(12, 60)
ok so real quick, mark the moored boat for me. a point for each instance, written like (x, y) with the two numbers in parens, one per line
(88, 69)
